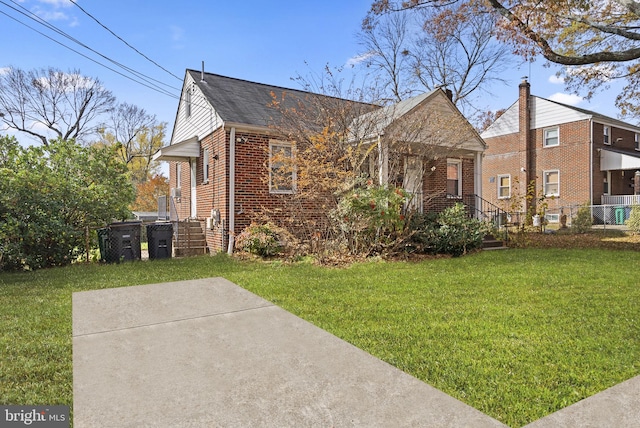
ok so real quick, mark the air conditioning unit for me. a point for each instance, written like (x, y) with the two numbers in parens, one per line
(175, 192)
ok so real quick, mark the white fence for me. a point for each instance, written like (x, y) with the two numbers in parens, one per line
(620, 200)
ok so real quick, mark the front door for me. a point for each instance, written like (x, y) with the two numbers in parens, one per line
(194, 206)
(412, 182)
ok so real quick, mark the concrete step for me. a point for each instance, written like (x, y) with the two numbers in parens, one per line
(491, 243)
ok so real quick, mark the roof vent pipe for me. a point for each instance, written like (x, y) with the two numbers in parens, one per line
(202, 73)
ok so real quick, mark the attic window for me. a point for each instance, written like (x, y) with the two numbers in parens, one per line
(187, 103)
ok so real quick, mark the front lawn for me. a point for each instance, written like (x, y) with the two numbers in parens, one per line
(517, 334)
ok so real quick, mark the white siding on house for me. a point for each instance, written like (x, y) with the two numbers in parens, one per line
(505, 124)
(203, 119)
(546, 113)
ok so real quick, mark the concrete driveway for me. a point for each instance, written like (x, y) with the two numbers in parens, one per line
(207, 353)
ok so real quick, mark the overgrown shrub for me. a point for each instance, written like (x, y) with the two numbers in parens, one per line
(450, 232)
(371, 218)
(264, 240)
(457, 233)
(633, 222)
(51, 197)
(582, 221)
(422, 233)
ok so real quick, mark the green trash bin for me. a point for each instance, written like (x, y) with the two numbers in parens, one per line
(103, 243)
(619, 215)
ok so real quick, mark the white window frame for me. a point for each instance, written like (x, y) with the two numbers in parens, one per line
(205, 166)
(500, 176)
(458, 163)
(606, 135)
(272, 189)
(178, 175)
(552, 218)
(546, 182)
(546, 137)
(636, 139)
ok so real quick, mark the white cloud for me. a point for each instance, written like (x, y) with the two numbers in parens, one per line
(4, 70)
(177, 33)
(50, 15)
(569, 99)
(355, 60)
(556, 80)
(57, 3)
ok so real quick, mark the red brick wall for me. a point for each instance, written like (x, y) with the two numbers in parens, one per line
(252, 194)
(435, 184)
(572, 158)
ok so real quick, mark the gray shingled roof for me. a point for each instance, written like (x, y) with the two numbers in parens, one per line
(244, 102)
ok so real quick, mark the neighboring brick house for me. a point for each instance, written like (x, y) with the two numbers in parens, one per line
(223, 138)
(574, 156)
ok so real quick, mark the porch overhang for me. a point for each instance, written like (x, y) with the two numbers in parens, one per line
(613, 160)
(179, 152)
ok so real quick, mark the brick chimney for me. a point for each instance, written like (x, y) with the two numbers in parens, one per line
(527, 165)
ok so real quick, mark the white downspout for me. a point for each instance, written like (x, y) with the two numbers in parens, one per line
(383, 167)
(477, 176)
(591, 165)
(232, 190)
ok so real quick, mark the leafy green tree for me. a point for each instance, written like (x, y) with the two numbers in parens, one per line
(52, 197)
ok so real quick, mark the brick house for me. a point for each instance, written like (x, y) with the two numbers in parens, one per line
(574, 156)
(223, 140)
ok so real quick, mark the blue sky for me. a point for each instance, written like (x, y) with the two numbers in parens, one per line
(258, 40)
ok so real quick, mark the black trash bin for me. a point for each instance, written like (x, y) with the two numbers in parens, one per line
(124, 240)
(159, 237)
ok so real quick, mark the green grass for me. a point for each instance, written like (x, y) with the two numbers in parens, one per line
(516, 334)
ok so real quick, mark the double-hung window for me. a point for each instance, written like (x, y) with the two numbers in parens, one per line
(282, 173)
(606, 137)
(636, 140)
(454, 178)
(551, 137)
(504, 186)
(551, 183)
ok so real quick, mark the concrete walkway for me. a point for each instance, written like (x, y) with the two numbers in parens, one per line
(207, 353)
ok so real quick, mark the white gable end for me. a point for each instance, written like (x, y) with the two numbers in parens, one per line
(505, 124)
(546, 113)
(203, 118)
